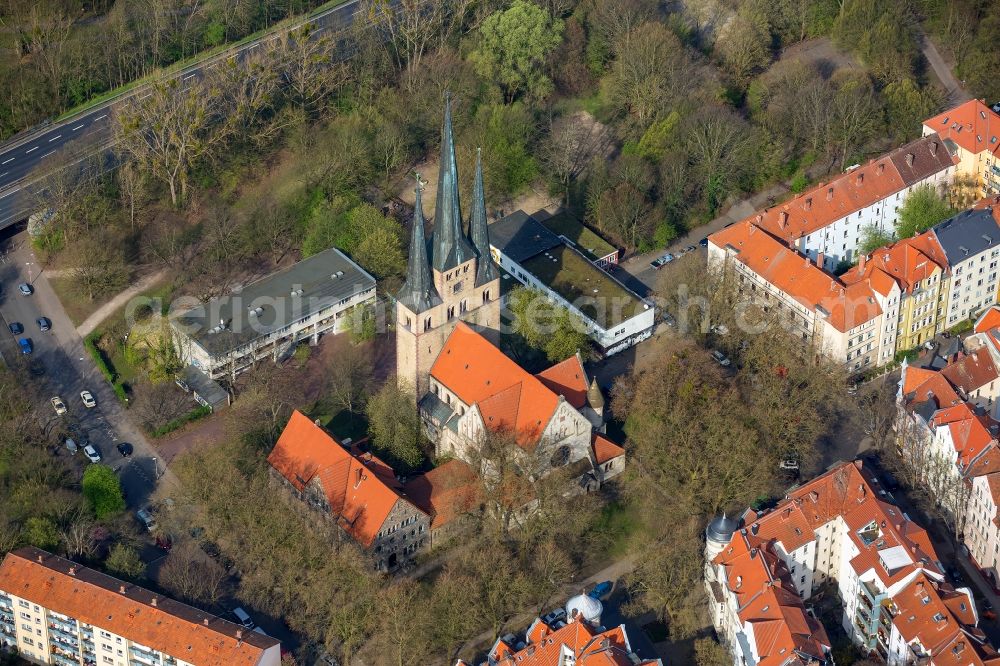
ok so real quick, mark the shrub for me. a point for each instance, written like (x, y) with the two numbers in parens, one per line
(198, 413)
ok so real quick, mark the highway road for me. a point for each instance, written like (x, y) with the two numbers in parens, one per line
(62, 365)
(27, 158)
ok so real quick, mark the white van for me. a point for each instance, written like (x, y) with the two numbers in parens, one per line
(243, 617)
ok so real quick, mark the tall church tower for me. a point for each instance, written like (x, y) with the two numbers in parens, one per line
(450, 279)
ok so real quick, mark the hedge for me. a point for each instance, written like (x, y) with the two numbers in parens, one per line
(195, 414)
(90, 342)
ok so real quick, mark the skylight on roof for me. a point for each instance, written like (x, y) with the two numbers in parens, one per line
(894, 558)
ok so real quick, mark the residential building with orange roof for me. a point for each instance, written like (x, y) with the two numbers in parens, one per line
(826, 222)
(839, 528)
(842, 321)
(564, 639)
(56, 611)
(448, 493)
(971, 132)
(359, 493)
(476, 390)
(912, 276)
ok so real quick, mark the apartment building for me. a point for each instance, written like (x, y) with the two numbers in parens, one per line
(267, 318)
(914, 309)
(842, 321)
(839, 529)
(971, 244)
(56, 611)
(971, 132)
(826, 222)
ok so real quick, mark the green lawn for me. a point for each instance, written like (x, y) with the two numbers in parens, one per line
(76, 307)
(585, 238)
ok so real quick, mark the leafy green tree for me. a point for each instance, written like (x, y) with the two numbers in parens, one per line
(124, 561)
(103, 491)
(746, 44)
(504, 132)
(394, 427)
(512, 45)
(873, 238)
(907, 105)
(41, 532)
(550, 328)
(658, 137)
(922, 210)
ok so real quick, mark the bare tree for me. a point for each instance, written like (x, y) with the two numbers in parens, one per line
(192, 575)
(308, 68)
(571, 145)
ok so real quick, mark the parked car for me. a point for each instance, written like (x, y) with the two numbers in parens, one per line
(790, 464)
(690, 248)
(703, 242)
(720, 329)
(88, 399)
(146, 518)
(955, 574)
(58, 405)
(852, 389)
(16, 328)
(601, 589)
(243, 617)
(660, 262)
(721, 359)
(25, 343)
(93, 455)
(554, 616)
(929, 344)
(71, 445)
(669, 319)
(44, 324)
(125, 449)
(183, 385)
(25, 289)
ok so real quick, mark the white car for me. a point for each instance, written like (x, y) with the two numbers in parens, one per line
(146, 518)
(88, 399)
(58, 405)
(93, 455)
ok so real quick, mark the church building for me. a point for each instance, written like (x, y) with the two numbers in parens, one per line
(447, 330)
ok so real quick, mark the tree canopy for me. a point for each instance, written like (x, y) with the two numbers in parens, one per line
(103, 490)
(923, 208)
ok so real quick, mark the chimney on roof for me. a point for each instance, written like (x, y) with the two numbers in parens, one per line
(809, 203)
(205, 622)
(881, 168)
(861, 262)
(860, 178)
(783, 219)
(239, 633)
(829, 194)
(72, 570)
(820, 259)
(39, 558)
(760, 218)
(121, 588)
(934, 147)
(152, 602)
(909, 159)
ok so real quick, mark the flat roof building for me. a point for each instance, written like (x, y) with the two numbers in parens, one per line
(616, 318)
(56, 611)
(268, 317)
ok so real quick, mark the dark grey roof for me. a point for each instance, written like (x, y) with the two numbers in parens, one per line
(721, 529)
(317, 282)
(921, 159)
(418, 292)
(925, 409)
(967, 234)
(435, 408)
(206, 387)
(450, 247)
(520, 236)
(486, 270)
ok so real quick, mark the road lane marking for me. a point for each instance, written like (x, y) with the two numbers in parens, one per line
(189, 76)
(51, 152)
(5, 161)
(57, 136)
(4, 174)
(30, 149)
(100, 117)
(9, 193)
(77, 127)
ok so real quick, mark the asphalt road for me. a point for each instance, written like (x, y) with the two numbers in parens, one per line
(60, 362)
(27, 158)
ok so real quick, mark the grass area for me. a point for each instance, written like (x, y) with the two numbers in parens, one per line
(76, 307)
(343, 424)
(620, 526)
(573, 277)
(585, 239)
(184, 63)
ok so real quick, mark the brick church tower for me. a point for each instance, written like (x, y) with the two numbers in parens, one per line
(451, 279)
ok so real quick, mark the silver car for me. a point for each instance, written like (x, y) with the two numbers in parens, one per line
(93, 455)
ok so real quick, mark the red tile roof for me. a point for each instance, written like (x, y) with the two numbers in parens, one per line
(989, 320)
(970, 372)
(546, 647)
(508, 396)
(567, 379)
(359, 495)
(135, 613)
(905, 262)
(971, 125)
(446, 492)
(844, 305)
(852, 191)
(605, 449)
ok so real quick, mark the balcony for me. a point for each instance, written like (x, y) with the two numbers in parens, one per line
(64, 625)
(146, 657)
(65, 642)
(63, 661)
(56, 630)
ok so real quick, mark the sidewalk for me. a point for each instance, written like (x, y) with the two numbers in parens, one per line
(952, 86)
(119, 301)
